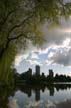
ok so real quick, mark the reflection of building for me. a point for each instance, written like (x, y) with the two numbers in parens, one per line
(29, 93)
(51, 91)
(51, 74)
(37, 95)
(37, 70)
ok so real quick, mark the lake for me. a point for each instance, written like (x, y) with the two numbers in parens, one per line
(50, 96)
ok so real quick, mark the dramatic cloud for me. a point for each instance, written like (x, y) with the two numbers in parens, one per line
(67, 42)
(19, 58)
(56, 50)
(43, 51)
(57, 35)
(50, 54)
(48, 62)
(34, 56)
(62, 57)
(34, 62)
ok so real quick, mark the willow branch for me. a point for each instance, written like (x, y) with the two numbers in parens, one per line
(18, 36)
(23, 22)
(6, 18)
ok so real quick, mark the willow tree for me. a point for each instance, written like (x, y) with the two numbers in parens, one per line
(21, 21)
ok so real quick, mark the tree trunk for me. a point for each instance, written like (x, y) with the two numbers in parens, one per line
(4, 49)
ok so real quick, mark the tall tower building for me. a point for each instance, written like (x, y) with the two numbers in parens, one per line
(51, 73)
(37, 69)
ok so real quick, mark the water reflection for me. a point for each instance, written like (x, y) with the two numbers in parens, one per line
(51, 88)
(50, 96)
(5, 92)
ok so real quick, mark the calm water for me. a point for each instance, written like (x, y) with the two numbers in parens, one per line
(58, 96)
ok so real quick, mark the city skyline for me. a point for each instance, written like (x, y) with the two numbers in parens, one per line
(54, 54)
(37, 71)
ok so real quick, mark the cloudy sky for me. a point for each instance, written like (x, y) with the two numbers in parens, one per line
(55, 54)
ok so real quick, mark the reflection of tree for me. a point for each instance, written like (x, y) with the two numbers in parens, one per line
(26, 90)
(29, 93)
(5, 92)
(62, 86)
(43, 89)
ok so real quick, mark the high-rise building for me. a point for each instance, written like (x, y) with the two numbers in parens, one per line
(37, 70)
(51, 74)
